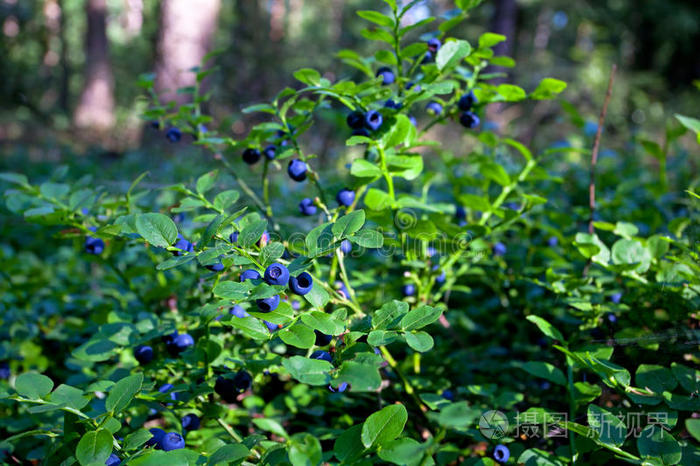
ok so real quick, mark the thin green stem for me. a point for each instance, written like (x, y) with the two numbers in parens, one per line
(572, 408)
(387, 176)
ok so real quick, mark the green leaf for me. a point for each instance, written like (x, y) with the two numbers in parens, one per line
(137, 438)
(376, 17)
(323, 322)
(544, 370)
(348, 446)
(123, 392)
(546, 328)
(270, 253)
(308, 371)
(590, 246)
(451, 53)
(403, 451)
(693, 428)
(206, 181)
(318, 297)
(368, 238)
(54, 190)
(377, 199)
(270, 425)
(234, 291)
(33, 385)
(308, 76)
(362, 376)
(687, 377)
(298, 335)
(420, 341)
(489, 39)
(94, 447)
(65, 395)
(511, 93)
(211, 231)
(319, 240)
(655, 442)
(251, 233)
(611, 430)
(157, 229)
(304, 450)
(250, 327)
(628, 251)
(402, 132)
(548, 88)
(348, 224)
(389, 315)
(495, 172)
(692, 124)
(384, 425)
(16, 178)
(420, 317)
(225, 199)
(654, 377)
(458, 415)
(362, 168)
(228, 454)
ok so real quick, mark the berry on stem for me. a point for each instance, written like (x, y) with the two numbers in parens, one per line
(268, 304)
(249, 274)
(180, 343)
(434, 107)
(143, 354)
(408, 289)
(322, 339)
(276, 274)
(270, 152)
(322, 355)
(434, 45)
(297, 170)
(113, 460)
(251, 155)
(190, 422)
(174, 135)
(373, 120)
(469, 120)
(183, 245)
(345, 197)
(467, 101)
(346, 246)
(94, 245)
(355, 120)
(501, 453)
(301, 284)
(172, 441)
(386, 74)
(307, 207)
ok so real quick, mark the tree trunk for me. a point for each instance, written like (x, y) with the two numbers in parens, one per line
(96, 106)
(186, 31)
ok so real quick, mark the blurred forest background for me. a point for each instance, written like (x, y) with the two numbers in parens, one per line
(69, 67)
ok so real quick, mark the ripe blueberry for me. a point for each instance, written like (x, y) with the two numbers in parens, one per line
(373, 120)
(249, 274)
(448, 395)
(94, 245)
(616, 298)
(346, 246)
(270, 152)
(345, 197)
(190, 422)
(434, 108)
(173, 135)
(301, 284)
(469, 120)
(440, 279)
(238, 311)
(386, 74)
(297, 170)
(157, 434)
(113, 460)
(172, 441)
(342, 289)
(276, 274)
(217, 267)
(233, 237)
(166, 388)
(242, 381)
(612, 318)
(270, 326)
(143, 354)
(5, 372)
(355, 120)
(183, 245)
(552, 241)
(180, 343)
(467, 101)
(322, 339)
(434, 45)
(428, 57)
(322, 355)
(341, 388)
(499, 249)
(251, 155)
(226, 389)
(412, 119)
(409, 289)
(268, 304)
(393, 105)
(307, 207)
(414, 86)
(501, 453)
(155, 124)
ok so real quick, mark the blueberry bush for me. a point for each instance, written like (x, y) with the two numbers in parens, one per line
(407, 304)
